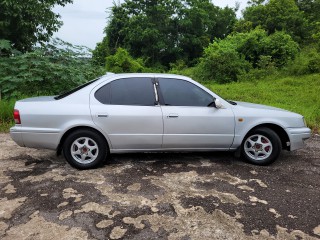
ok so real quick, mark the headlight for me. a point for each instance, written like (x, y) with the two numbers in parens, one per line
(304, 121)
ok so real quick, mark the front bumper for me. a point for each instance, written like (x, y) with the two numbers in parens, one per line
(35, 138)
(298, 136)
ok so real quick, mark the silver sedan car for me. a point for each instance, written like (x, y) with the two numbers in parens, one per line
(119, 113)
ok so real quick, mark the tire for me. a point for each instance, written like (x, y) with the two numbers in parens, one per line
(85, 149)
(262, 146)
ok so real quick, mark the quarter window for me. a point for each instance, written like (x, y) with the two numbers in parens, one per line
(183, 93)
(127, 91)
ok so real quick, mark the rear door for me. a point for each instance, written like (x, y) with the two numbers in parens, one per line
(188, 121)
(127, 111)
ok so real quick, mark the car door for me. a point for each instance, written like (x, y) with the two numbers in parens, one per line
(188, 120)
(127, 111)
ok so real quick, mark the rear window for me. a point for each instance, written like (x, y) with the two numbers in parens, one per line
(65, 94)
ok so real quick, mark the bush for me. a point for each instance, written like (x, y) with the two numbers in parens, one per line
(257, 43)
(221, 63)
(307, 61)
(48, 70)
(281, 47)
(232, 58)
(6, 115)
(250, 45)
(265, 68)
(122, 62)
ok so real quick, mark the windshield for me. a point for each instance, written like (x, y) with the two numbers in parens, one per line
(65, 94)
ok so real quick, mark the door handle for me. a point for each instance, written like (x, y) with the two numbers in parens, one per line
(102, 115)
(173, 115)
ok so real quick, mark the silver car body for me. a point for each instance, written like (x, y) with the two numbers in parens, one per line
(45, 121)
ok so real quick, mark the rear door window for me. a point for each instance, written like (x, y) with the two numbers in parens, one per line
(127, 91)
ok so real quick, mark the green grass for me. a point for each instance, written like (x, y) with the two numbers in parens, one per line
(298, 94)
(6, 115)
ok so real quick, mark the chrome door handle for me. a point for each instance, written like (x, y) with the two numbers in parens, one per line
(173, 115)
(102, 115)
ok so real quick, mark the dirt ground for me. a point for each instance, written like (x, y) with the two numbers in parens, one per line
(159, 196)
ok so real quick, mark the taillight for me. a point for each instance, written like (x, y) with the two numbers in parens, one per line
(16, 116)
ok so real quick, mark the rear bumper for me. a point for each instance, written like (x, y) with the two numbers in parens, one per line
(35, 138)
(298, 136)
(17, 137)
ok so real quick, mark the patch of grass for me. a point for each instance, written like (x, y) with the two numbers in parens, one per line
(6, 115)
(300, 94)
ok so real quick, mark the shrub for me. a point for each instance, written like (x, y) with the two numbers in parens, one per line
(256, 43)
(6, 115)
(48, 70)
(250, 45)
(307, 61)
(232, 58)
(122, 62)
(221, 63)
(281, 47)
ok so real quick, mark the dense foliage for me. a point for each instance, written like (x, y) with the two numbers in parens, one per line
(222, 63)
(47, 70)
(121, 62)
(164, 31)
(311, 9)
(177, 35)
(278, 15)
(226, 60)
(27, 22)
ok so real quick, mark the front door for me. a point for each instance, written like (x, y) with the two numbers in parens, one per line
(188, 120)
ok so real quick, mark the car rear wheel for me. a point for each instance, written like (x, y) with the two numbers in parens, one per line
(85, 149)
(261, 146)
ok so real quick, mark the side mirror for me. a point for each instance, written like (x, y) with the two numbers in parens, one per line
(218, 104)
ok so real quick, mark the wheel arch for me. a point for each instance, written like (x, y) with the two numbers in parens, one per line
(73, 129)
(277, 129)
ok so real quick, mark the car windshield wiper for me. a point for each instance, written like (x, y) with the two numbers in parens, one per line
(63, 95)
(232, 102)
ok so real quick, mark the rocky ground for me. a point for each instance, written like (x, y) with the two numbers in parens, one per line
(159, 196)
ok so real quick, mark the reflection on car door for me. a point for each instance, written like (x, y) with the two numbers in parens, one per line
(189, 122)
(126, 111)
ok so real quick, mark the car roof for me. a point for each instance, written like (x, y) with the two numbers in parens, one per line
(151, 75)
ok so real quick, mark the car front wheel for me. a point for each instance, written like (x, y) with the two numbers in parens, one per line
(261, 146)
(85, 149)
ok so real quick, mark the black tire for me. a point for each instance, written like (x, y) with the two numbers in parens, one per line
(263, 152)
(85, 149)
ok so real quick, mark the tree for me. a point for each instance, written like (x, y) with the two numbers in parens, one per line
(200, 22)
(164, 31)
(25, 23)
(278, 15)
(311, 9)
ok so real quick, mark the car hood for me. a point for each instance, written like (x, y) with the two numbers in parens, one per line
(258, 106)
